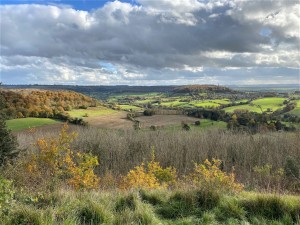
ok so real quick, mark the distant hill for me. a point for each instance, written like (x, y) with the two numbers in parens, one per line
(202, 88)
(19, 103)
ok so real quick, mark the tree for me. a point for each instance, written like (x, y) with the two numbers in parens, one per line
(8, 143)
(186, 127)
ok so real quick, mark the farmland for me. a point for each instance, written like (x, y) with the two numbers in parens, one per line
(296, 111)
(90, 112)
(25, 123)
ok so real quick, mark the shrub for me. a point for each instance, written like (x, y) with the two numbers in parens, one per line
(55, 161)
(8, 143)
(140, 178)
(197, 123)
(292, 168)
(209, 176)
(268, 177)
(6, 195)
(152, 176)
(149, 112)
(186, 127)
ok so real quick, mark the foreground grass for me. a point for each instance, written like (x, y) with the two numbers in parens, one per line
(155, 207)
(25, 123)
(91, 112)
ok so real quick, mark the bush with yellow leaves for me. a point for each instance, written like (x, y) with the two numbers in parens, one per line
(150, 176)
(209, 176)
(55, 161)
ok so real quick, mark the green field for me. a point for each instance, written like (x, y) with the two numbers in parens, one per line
(259, 105)
(175, 103)
(25, 123)
(205, 104)
(271, 103)
(204, 124)
(130, 107)
(296, 111)
(91, 112)
(243, 107)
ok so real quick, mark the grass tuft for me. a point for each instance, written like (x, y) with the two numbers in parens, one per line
(267, 206)
(25, 216)
(181, 204)
(207, 199)
(230, 208)
(127, 202)
(152, 198)
(91, 213)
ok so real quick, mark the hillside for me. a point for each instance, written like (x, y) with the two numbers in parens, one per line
(20, 103)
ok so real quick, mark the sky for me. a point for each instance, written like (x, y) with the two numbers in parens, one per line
(150, 42)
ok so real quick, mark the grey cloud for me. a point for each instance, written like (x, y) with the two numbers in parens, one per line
(151, 40)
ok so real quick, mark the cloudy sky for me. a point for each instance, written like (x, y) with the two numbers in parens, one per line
(150, 42)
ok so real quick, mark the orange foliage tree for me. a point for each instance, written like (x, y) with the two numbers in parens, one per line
(55, 161)
(209, 176)
(150, 176)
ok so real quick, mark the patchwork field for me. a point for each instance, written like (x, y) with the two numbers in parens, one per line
(116, 120)
(25, 123)
(259, 105)
(175, 122)
(91, 112)
(269, 103)
(296, 111)
(130, 107)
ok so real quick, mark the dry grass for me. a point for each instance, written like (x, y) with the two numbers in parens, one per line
(117, 120)
(120, 150)
(165, 120)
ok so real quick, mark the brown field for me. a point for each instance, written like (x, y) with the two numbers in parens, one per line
(115, 121)
(164, 120)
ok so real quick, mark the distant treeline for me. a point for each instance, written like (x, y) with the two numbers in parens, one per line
(203, 88)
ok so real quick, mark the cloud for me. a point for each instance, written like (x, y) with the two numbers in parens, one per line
(168, 40)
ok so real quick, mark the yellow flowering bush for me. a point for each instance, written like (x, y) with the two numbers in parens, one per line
(152, 176)
(210, 176)
(55, 160)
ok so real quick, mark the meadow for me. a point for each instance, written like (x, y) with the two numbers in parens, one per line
(296, 111)
(26, 123)
(90, 112)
